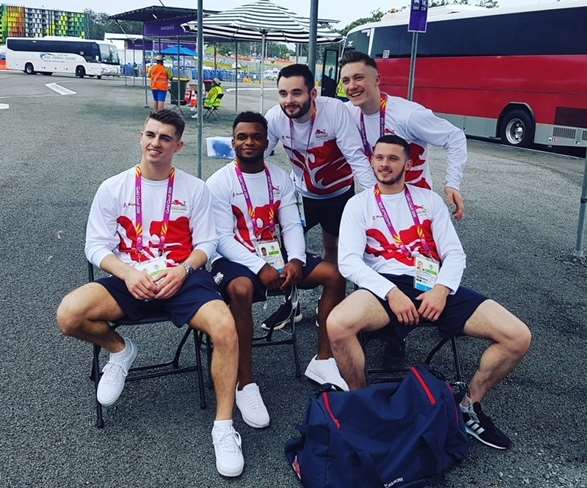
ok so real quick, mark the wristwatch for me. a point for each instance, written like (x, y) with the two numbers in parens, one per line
(188, 269)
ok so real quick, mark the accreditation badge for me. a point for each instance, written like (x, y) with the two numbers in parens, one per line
(270, 252)
(426, 272)
(154, 266)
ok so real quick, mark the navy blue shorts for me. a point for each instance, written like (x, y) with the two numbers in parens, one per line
(459, 307)
(229, 270)
(159, 95)
(197, 290)
(326, 212)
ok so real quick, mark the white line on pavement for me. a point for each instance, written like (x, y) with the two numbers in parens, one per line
(59, 89)
(4, 106)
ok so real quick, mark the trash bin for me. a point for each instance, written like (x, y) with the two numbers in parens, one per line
(173, 90)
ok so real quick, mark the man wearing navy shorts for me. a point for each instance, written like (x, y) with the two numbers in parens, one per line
(398, 245)
(150, 227)
(261, 247)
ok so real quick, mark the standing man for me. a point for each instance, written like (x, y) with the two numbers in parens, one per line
(325, 150)
(375, 114)
(398, 245)
(151, 229)
(262, 248)
(160, 77)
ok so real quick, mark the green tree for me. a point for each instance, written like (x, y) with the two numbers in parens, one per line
(99, 23)
(374, 17)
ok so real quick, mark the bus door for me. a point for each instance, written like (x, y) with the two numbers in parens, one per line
(329, 72)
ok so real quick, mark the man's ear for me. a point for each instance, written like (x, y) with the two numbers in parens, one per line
(313, 93)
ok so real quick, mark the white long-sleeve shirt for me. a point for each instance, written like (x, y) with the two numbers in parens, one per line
(366, 248)
(111, 224)
(334, 153)
(235, 227)
(420, 127)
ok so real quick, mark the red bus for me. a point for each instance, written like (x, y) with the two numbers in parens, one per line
(520, 75)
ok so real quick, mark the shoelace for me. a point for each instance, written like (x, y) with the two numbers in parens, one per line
(114, 369)
(229, 441)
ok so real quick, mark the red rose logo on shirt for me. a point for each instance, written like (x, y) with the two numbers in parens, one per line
(265, 216)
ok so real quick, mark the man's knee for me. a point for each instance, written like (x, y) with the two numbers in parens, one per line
(240, 290)
(69, 316)
(338, 327)
(223, 333)
(520, 341)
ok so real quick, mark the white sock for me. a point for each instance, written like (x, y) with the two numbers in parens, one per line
(466, 404)
(120, 354)
(222, 424)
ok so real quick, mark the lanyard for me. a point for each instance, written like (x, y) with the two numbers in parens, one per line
(250, 209)
(396, 236)
(139, 210)
(291, 135)
(363, 130)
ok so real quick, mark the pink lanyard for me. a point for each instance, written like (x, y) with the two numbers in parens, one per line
(394, 234)
(139, 210)
(291, 135)
(363, 130)
(250, 209)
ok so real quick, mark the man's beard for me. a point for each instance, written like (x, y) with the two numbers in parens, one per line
(303, 110)
(252, 160)
(394, 180)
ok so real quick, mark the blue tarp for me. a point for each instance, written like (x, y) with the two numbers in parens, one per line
(183, 51)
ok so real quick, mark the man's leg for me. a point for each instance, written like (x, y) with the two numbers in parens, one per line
(84, 314)
(511, 340)
(214, 318)
(330, 243)
(359, 311)
(334, 286)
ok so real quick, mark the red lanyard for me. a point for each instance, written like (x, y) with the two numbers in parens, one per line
(291, 135)
(139, 210)
(250, 209)
(363, 130)
(394, 234)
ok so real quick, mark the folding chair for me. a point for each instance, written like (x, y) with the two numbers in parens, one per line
(267, 339)
(393, 371)
(151, 370)
(212, 105)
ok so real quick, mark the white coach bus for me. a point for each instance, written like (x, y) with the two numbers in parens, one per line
(49, 55)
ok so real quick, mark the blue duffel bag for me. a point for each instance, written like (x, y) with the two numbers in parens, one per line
(396, 435)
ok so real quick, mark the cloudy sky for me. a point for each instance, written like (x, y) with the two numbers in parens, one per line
(330, 9)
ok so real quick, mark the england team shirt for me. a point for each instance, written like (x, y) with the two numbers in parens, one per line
(325, 160)
(366, 248)
(237, 237)
(420, 127)
(111, 225)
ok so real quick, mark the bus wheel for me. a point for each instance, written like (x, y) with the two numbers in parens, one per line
(80, 72)
(28, 69)
(99, 77)
(517, 128)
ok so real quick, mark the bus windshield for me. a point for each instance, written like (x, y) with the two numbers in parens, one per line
(108, 54)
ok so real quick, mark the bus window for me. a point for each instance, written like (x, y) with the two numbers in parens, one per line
(358, 40)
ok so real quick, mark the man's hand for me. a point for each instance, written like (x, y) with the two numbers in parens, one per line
(402, 307)
(292, 274)
(270, 277)
(455, 198)
(433, 302)
(170, 282)
(140, 284)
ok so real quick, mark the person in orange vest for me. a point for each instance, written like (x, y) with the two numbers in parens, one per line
(160, 77)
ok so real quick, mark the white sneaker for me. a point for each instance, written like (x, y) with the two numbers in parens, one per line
(325, 371)
(251, 406)
(227, 448)
(114, 375)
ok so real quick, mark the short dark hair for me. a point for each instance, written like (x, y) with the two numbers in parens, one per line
(358, 57)
(252, 117)
(393, 139)
(298, 70)
(170, 117)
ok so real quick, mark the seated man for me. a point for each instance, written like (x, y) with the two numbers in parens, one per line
(398, 245)
(255, 210)
(213, 98)
(151, 228)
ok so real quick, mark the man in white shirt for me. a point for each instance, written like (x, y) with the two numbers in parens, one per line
(325, 151)
(151, 228)
(398, 245)
(262, 248)
(375, 114)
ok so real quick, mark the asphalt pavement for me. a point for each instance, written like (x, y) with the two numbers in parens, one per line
(519, 232)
